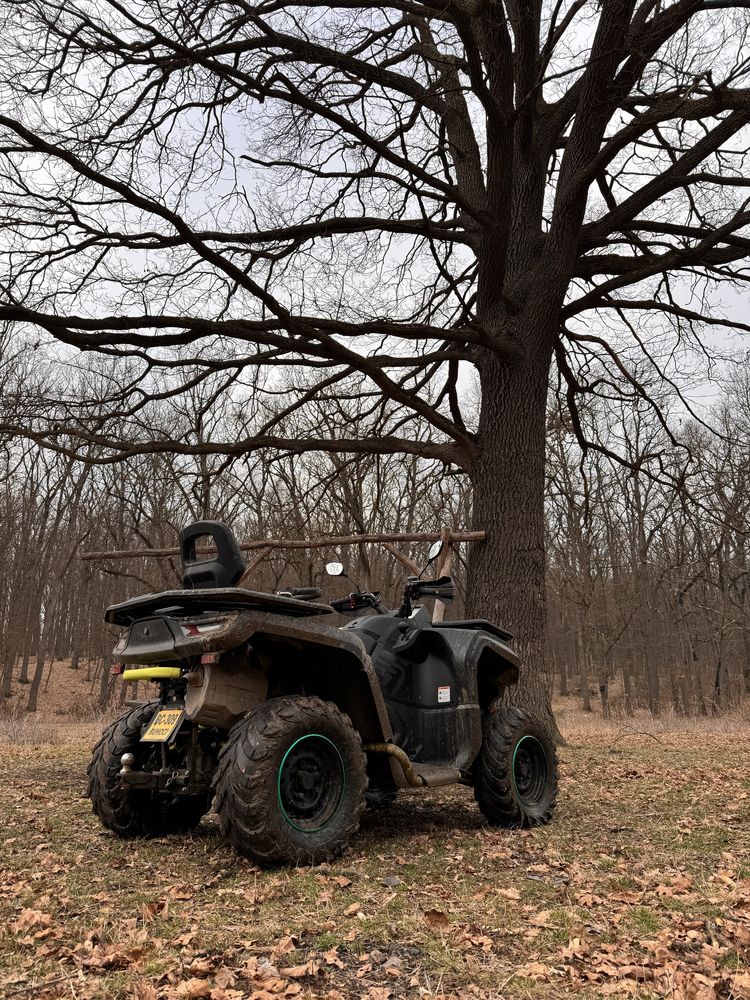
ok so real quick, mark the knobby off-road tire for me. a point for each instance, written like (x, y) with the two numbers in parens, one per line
(515, 774)
(290, 786)
(132, 812)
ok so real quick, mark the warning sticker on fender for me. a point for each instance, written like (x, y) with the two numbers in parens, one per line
(444, 694)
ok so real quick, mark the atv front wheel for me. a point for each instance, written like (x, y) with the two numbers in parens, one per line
(515, 774)
(132, 812)
(290, 787)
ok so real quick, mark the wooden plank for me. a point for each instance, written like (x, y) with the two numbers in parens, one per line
(251, 567)
(294, 543)
(403, 559)
(444, 568)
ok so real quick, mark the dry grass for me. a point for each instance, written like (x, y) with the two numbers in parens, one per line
(641, 886)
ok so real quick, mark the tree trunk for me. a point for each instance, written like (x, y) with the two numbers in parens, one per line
(583, 671)
(719, 697)
(746, 660)
(9, 663)
(687, 698)
(604, 696)
(627, 686)
(652, 683)
(24, 678)
(105, 683)
(506, 572)
(677, 707)
(36, 679)
(563, 676)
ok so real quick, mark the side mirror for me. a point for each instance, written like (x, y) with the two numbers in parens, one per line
(335, 569)
(434, 551)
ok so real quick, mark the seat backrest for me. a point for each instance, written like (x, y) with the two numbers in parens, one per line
(222, 570)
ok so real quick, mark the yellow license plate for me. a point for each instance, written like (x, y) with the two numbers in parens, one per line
(163, 726)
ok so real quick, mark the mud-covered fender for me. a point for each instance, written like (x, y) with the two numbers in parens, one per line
(497, 666)
(314, 658)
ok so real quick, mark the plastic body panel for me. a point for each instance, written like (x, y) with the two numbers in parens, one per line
(296, 654)
(432, 680)
(219, 695)
(189, 603)
(480, 624)
(400, 680)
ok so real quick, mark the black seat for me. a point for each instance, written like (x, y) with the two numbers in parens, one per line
(224, 570)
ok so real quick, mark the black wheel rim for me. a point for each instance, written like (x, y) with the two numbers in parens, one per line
(311, 783)
(529, 771)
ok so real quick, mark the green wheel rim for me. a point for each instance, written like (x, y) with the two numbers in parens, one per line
(529, 771)
(309, 786)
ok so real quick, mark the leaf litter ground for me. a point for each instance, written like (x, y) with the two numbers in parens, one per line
(640, 888)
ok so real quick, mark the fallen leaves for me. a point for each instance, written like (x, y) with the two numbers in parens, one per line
(191, 989)
(621, 897)
(680, 962)
(437, 920)
(31, 920)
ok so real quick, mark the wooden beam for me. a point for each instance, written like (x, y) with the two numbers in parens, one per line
(444, 567)
(295, 543)
(404, 560)
(252, 566)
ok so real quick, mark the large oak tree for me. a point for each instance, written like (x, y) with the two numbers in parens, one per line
(346, 202)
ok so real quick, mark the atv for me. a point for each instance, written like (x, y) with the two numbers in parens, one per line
(292, 726)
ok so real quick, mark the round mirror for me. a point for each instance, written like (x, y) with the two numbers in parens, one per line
(335, 569)
(434, 550)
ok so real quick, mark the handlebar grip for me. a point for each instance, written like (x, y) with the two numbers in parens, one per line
(348, 603)
(356, 602)
(307, 593)
(443, 589)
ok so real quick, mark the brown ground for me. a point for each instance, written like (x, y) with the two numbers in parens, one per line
(641, 886)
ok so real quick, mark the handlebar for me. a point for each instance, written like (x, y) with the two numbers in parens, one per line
(442, 589)
(355, 602)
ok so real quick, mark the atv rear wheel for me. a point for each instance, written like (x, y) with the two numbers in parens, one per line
(290, 787)
(515, 774)
(131, 812)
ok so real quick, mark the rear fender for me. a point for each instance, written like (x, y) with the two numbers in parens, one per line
(301, 657)
(297, 655)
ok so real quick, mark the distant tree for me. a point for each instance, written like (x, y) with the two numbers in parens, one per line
(348, 200)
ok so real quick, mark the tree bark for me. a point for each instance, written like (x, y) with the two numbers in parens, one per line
(506, 572)
(7, 677)
(627, 686)
(36, 679)
(563, 676)
(583, 670)
(105, 682)
(652, 684)
(604, 696)
(24, 678)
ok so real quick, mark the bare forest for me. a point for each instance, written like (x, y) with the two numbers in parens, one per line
(472, 272)
(388, 231)
(647, 583)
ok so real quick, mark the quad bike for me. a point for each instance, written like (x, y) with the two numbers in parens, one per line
(291, 725)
